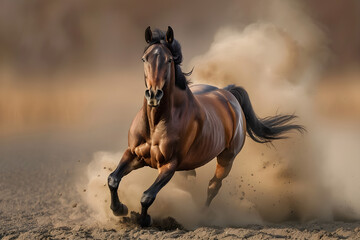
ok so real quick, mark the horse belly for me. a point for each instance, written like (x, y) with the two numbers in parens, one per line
(206, 147)
(196, 159)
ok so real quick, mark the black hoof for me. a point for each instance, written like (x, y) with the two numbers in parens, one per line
(145, 221)
(120, 210)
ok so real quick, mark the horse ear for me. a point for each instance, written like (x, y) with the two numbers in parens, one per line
(170, 35)
(148, 35)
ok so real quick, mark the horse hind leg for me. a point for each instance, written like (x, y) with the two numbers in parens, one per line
(223, 167)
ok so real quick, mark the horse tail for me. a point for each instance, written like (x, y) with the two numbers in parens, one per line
(263, 130)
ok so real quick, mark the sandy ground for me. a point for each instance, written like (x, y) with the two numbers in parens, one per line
(39, 200)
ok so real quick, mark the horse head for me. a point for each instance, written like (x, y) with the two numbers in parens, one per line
(159, 68)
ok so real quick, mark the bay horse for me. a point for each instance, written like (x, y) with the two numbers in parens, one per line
(181, 128)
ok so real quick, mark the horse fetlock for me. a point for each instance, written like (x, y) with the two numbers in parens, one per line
(145, 221)
(119, 209)
(147, 199)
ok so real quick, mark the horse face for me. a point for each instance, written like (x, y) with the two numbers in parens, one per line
(158, 63)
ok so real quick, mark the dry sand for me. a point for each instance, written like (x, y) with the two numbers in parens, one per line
(39, 199)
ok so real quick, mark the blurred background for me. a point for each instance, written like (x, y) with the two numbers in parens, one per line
(63, 64)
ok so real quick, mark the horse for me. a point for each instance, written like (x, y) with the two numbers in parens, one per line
(181, 127)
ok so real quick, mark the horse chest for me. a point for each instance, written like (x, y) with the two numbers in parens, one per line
(156, 156)
(153, 155)
(157, 150)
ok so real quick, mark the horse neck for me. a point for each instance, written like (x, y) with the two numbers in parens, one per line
(157, 114)
(174, 99)
(161, 112)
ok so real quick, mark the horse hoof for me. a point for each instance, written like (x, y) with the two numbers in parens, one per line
(121, 210)
(145, 221)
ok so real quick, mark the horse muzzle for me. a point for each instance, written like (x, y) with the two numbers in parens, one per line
(153, 98)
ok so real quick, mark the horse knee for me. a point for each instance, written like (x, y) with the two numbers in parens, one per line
(113, 181)
(147, 199)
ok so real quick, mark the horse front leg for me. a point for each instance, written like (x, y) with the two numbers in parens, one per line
(127, 163)
(165, 174)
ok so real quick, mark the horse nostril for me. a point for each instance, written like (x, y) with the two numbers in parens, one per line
(147, 93)
(159, 94)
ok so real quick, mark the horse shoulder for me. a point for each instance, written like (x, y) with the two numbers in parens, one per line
(189, 125)
(190, 134)
(164, 141)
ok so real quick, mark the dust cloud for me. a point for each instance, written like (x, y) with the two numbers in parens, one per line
(312, 177)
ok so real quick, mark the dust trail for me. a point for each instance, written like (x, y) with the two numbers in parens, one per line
(182, 198)
(278, 61)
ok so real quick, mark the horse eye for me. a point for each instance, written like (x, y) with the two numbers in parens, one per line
(143, 59)
(169, 61)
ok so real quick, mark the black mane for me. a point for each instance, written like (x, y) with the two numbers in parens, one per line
(158, 36)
